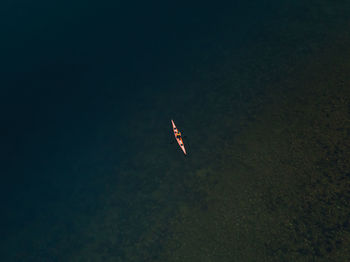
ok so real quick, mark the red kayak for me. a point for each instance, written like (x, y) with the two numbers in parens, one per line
(178, 137)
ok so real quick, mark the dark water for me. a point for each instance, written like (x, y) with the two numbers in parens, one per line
(87, 92)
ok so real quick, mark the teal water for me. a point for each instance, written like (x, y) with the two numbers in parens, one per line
(259, 90)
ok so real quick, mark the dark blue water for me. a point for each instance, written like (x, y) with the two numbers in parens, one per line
(71, 73)
(75, 74)
(69, 69)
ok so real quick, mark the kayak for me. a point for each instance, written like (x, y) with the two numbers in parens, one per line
(178, 139)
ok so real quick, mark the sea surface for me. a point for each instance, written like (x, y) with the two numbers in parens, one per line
(89, 168)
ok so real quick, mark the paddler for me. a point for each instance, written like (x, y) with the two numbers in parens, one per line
(178, 134)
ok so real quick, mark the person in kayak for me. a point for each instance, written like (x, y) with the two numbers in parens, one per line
(178, 134)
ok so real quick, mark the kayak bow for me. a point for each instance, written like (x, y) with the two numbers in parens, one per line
(178, 139)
